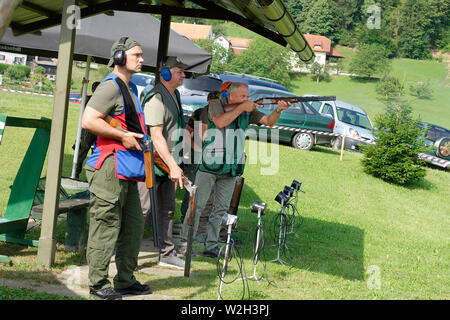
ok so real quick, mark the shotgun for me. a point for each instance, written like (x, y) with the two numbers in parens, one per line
(192, 189)
(236, 198)
(147, 149)
(274, 100)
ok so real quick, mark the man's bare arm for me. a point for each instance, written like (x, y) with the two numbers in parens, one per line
(94, 122)
(224, 119)
(162, 148)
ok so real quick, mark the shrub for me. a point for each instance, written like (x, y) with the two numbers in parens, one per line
(394, 157)
(421, 90)
(389, 88)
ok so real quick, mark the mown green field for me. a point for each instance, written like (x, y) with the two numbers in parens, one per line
(359, 237)
(362, 92)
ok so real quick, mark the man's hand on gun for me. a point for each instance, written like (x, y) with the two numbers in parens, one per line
(176, 175)
(130, 140)
(283, 105)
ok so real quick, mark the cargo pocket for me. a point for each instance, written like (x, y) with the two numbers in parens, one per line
(103, 182)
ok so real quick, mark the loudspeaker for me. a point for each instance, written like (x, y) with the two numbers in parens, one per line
(165, 72)
(120, 57)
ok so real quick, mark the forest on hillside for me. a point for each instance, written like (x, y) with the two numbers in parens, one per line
(406, 28)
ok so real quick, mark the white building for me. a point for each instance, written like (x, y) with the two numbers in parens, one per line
(13, 58)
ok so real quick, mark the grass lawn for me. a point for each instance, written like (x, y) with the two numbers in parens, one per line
(362, 92)
(359, 237)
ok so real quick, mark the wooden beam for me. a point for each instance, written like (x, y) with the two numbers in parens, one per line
(47, 241)
(38, 9)
(55, 20)
(211, 11)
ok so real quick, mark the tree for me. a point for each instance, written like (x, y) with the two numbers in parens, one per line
(394, 157)
(321, 19)
(221, 57)
(421, 24)
(319, 72)
(389, 88)
(370, 60)
(264, 58)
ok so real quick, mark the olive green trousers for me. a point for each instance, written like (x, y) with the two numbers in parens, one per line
(116, 225)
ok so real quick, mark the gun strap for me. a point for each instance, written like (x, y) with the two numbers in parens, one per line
(131, 118)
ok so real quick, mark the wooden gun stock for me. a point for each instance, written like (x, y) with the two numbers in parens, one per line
(236, 198)
(163, 166)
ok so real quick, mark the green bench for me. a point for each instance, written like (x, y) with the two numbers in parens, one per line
(22, 200)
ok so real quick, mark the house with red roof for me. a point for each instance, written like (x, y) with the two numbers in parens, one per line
(321, 46)
(193, 32)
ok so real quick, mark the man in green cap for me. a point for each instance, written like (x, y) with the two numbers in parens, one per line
(164, 116)
(116, 164)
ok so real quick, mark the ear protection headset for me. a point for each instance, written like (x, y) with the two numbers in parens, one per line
(119, 56)
(165, 72)
(225, 89)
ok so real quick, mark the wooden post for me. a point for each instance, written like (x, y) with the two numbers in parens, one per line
(7, 9)
(163, 44)
(343, 143)
(47, 242)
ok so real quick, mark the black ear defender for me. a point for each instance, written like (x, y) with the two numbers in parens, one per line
(120, 57)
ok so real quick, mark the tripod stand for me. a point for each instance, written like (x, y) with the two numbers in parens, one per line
(282, 198)
(258, 207)
(230, 220)
(296, 186)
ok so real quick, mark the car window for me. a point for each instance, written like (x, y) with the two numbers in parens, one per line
(308, 109)
(328, 109)
(316, 105)
(141, 80)
(353, 117)
(296, 108)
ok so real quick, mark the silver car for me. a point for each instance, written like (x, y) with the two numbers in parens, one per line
(350, 120)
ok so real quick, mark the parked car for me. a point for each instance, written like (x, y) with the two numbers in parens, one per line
(251, 80)
(143, 81)
(438, 138)
(300, 125)
(350, 120)
(190, 103)
(298, 116)
(199, 86)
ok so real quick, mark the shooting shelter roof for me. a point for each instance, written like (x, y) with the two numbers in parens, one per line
(35, 15)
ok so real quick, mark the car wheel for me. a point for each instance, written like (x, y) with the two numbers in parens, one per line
(336, 143)
(303, 141)
(443, 147)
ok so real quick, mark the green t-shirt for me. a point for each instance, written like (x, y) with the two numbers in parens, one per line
(157, 114)
(107, 98)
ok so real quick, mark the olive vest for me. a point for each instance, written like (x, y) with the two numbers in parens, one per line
(224, 149)
(176, 110)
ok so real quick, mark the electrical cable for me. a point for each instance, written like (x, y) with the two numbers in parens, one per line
(234, 253)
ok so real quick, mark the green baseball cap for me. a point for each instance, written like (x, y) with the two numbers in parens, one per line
(128, 44)
(172, 62)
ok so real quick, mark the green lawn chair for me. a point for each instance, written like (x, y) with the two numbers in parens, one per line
(13, 225)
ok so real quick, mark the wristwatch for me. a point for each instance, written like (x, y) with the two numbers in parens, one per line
(278, 111)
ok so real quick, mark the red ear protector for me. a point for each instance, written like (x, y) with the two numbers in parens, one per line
(225, 89)
(119, 56)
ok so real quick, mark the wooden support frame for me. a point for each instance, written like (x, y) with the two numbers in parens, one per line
(47, 242)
